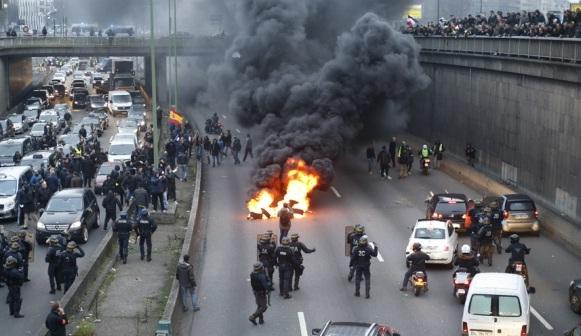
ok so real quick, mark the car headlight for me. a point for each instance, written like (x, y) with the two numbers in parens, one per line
(76, 225)
(40, 225)
(10, 205)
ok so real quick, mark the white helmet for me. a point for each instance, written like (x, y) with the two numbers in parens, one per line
(425, 146)
(465, 249)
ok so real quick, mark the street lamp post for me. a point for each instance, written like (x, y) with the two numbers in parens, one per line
(175, 46)
(153, 86)
(169, 88)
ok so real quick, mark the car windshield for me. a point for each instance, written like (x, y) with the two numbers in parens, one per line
(97, 100)
(426, 233)
(121, 149)
(521, 206)
(61, 204)
(106, 169)
(38, 127)
(124, 82)
(16, 119)
(451, 207)
(7, 187)
(32, 102)
(7, 149)
(49, 117)
(121, 99)
(128, 123)
(30, 113)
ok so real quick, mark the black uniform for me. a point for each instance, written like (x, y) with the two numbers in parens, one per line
(469, 262)
(25, 249)
(123, 228)
(69, 266)
(297, 247)
(517, 253)
(14, 278)
(110, 204)
(54, 267)
(145, 228)
(267, 257)
(286, 263)
(418, 263)
(260, 287)
(361, 260)
(353, 241)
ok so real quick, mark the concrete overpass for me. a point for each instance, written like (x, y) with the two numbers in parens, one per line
(518, 100)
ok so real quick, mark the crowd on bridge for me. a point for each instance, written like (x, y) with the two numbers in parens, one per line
(525, 24)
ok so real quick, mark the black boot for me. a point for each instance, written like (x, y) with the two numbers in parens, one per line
(252, 319)
(261, 319)
(357, 293)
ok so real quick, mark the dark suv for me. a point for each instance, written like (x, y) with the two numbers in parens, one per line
(74, 210)
(451, 207)
(519, 213)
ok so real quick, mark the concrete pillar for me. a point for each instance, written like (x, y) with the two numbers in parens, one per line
(162, 92)
(147, 69)
(4, 87)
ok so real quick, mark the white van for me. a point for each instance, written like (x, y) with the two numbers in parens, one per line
(11, 178)
(497, 304)
(121, 150)
(119, 103)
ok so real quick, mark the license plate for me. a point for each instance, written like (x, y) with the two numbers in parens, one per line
(521, 216)
(518, 267)
(431, 247)
(480, 333)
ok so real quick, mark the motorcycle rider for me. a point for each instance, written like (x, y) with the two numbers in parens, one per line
(466, 259)
(417, 259)
(496, 221)
(485, 236)
(261, 286)
(517, 252)
(286, 262)
(266, 255)
(361, 261)
(297, 247)
(424, 153)
(353, 240)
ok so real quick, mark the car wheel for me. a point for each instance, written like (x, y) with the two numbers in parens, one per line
(84, 235)
(575, 302)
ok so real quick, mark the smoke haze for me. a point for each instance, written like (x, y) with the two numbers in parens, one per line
(309, 91)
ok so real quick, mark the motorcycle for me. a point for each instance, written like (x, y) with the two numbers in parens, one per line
(486, 251)
(520, 268)
(426, 166)
(462, 280)
(213, 128)
(418, 283)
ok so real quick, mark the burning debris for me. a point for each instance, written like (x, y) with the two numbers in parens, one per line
(298, 181)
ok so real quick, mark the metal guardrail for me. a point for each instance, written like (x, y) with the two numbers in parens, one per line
(552, 49)
(95, 41)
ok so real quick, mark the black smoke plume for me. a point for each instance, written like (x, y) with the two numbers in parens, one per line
(308, 106)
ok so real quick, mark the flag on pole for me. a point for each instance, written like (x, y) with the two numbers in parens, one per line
(175, 117)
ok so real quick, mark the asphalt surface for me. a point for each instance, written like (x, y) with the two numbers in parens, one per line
(35, 294)
(387, 209)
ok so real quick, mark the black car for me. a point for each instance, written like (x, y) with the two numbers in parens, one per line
(80, 99)
(355, 329)
(74, 210)
(60, 90)
(575, 296)
(447, 206)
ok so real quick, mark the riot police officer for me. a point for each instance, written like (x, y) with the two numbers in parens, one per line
(14, 251)
(286, 263)
(69, 263)
(261, 287)
(54, 263)
(353, 240)
(25, 249)
(361, 260)
(266, 255)
(145, 228)
(297, 247)
(14, 279)
(123, 228)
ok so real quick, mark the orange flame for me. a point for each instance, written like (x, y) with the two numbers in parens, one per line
(299, 181)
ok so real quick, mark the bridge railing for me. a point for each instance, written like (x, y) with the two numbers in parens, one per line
(96, 41)
(552, 49)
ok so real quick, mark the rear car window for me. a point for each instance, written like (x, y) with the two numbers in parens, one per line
(481, 305)
(521, 206)
(454, 207)
(508, 306)
(346, 330)
(423, 233)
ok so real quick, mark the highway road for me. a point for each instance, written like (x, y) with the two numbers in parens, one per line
(35, 293)
(387, 209)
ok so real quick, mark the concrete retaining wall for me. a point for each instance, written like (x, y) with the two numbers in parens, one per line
(526, 125)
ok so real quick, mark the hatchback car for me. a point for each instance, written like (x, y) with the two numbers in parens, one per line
(355, 329)
(575, 295)
(519, 213)
(37, 130)
(35, 159)
(439, 240)
(31, 115)
(128, 126)
(102, 116)
(453, 207)
(97, 102)
(74, 210)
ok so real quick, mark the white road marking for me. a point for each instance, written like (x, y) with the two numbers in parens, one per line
(541, 319)
(303, 324)
(335, 192)
(379, 257)
(237, 130)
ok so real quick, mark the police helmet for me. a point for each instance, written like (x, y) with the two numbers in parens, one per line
(417, 247)
(364, 240)
(465, 249)
(71, 245)
(14, 239)
(359, 228)
(123, 215)
(425, 147)
(22, 234)
(514, 238)
(258, 267)
(144, 213)
(295, 237)
(269, 233)
(10, 262)
(15, 246)
(265, 238)
(285, 241)
(53, 240)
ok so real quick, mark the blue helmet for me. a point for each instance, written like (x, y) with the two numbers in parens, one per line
(123, 215)
(144, 213)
